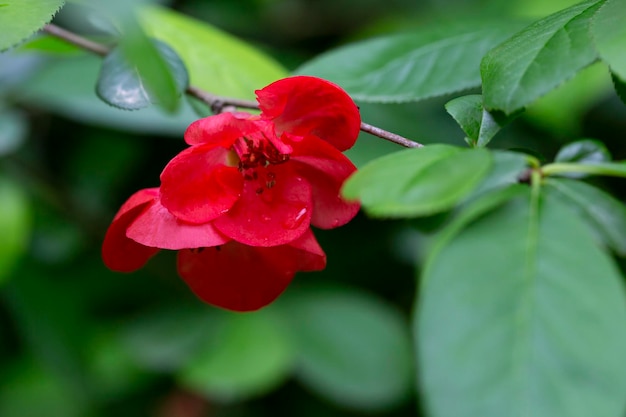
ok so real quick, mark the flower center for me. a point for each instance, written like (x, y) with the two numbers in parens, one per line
(256, 155)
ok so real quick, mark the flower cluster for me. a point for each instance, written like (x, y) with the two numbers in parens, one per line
(238, 203)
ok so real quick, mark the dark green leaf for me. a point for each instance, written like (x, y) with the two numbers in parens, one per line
(216, 61)
(538, 59)
(413, 66)
(609, 33)
(251, 355)
(15, 226)
(521, 312)
(65, 87)
(620, 87)
(586, 151)
(122, 85)
(21, 18)
(605, 215)
(352, 348)
(479, 125)
(418, 182)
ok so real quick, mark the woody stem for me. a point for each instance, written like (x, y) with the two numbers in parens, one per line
(217, 103)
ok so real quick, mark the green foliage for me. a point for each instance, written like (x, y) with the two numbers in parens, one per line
(413, 66)
(418, 182)
(604, 214)
(19, 19)
(352, 348)
(538, 59)
(129, 87)
(15, 224)
(609, 33)
(216, 61)
(479, 125)
(537, 325)
(520, 308)
(254, 354)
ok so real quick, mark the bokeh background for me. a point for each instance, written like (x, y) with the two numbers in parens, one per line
(79, 340)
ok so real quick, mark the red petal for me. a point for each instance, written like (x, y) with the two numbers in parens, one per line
(326, 169)
(157, 227)
(269, 216)
(221, 129)
(245, 278)
(301, 105)
(120, 253)
(197, 186)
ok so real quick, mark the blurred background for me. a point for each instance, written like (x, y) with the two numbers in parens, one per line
(79, 340)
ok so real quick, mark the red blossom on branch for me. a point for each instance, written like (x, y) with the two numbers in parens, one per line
(239, 202)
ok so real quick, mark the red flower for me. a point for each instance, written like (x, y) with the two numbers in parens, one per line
(239, 202)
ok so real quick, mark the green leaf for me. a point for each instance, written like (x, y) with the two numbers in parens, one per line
(561, 112)
(507, 169)
(51, 45)
(65, 87)
(522, 314)
(479, 125)
(21, 18)
(609, 33)
(538, 59)
(251, 355)
(15, 224)
(13, 130)
(122, 85)
(353, 349)
(586, 151)
(157, 66)
(412, 66)
(216, 62)
(620, 87)
(418, 182)
(605, 215)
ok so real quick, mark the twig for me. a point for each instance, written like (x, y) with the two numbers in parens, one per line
(84, 43)
(216, 103)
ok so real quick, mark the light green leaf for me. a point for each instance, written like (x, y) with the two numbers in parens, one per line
(609, 33)
(479, 125)
(15, 225)
(538, 59)
(21, 18)
(251, 355)
(353, 349)
(216, 61)
(123, 86)
(438, 60)
(605, 215)
(418, 182)
(522, 314)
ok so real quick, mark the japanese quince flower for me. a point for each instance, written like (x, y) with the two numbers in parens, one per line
(239, 201)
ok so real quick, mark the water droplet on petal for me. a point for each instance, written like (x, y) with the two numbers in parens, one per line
(296, 221)
(266, 218)
(335, 223)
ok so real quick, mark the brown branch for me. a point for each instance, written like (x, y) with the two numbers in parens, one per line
(74, 39)
(216, 103)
